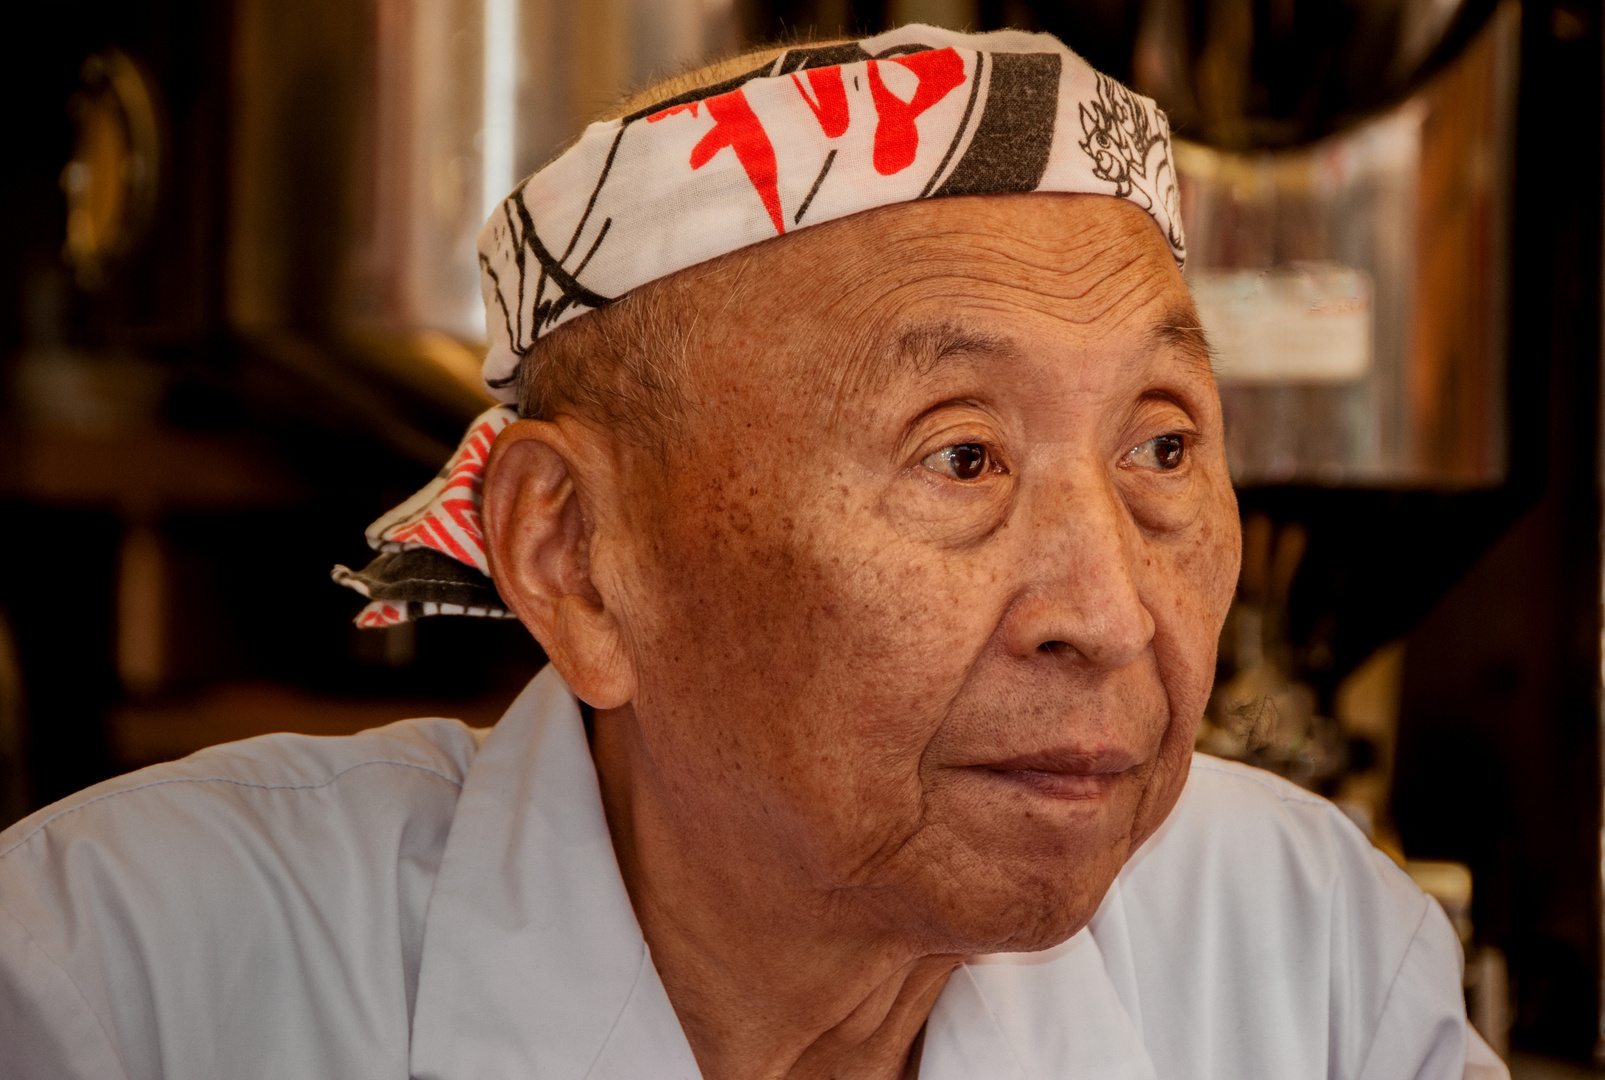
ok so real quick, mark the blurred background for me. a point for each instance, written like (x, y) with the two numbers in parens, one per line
(240, 317)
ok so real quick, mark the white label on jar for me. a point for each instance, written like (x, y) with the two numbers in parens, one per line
(1304, 322)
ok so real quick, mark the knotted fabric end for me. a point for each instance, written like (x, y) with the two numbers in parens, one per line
(432, 547)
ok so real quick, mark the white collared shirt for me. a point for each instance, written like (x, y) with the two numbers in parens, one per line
(423, 900)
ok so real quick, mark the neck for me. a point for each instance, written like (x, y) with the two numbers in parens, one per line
(770, 980)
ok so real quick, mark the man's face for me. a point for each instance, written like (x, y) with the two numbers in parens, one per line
(924, 611)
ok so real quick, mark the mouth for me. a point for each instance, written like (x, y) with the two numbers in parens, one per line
(1064, 774)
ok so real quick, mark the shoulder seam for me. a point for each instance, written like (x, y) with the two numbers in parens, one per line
(1387, 999)
(31, 833)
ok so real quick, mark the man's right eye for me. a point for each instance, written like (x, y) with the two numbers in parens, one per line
(963, 461)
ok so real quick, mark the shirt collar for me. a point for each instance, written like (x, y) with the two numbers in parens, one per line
(533, 963)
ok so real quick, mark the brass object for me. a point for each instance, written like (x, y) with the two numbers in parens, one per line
(111, 180)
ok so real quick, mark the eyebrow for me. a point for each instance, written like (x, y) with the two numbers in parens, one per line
(922, 348)
(928, 346)
(1180, 330)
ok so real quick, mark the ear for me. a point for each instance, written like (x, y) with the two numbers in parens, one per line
(539, 537)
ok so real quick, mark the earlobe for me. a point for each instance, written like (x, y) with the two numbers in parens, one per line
(540, 539)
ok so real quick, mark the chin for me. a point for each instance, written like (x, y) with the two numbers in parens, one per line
(1028, 915)
(1009, 899)
(1011, 864)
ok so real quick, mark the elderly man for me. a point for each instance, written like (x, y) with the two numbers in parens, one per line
(879, 542)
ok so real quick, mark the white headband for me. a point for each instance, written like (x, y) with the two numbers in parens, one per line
(815, 134)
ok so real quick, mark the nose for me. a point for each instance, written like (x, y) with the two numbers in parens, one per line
(1082, 597)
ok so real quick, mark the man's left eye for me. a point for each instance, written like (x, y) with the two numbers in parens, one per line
(1163, 452)
(965, 461)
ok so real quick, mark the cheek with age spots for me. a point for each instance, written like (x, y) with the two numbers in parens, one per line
(799, 603)
(1202, 576)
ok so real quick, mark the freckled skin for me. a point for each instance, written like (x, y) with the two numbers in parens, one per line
(829, 645)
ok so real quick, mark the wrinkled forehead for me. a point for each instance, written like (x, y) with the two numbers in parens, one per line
(867, 296)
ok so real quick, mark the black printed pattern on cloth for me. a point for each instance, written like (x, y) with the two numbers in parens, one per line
(1132, 153)
(419, 582)
(1009, 151)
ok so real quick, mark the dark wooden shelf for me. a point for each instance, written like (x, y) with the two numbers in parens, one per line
(147, 733)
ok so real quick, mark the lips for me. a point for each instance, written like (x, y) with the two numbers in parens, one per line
(1064, 773)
